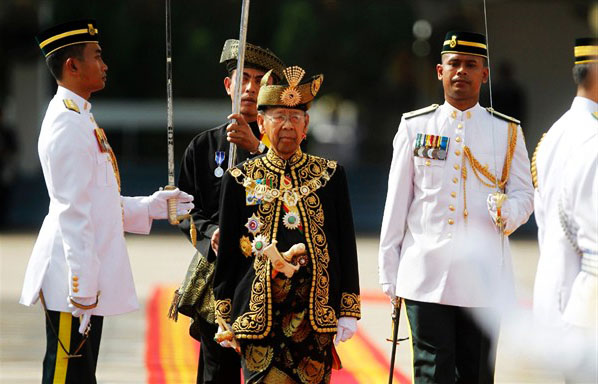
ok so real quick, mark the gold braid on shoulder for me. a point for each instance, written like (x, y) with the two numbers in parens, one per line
(534, 168)
(479, 170)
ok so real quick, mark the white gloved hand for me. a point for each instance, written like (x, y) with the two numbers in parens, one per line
(345, 329)
(492, 204)
(158, 207)
(225, 343)
(84, 315)
(389, 290)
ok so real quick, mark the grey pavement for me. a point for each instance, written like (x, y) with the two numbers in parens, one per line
(162, 259)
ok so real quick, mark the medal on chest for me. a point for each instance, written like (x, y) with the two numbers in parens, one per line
(219, 158)
(291, 219)
(431, 146)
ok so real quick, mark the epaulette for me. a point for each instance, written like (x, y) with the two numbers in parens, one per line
(422, 111)
(70, 104)
(502, 116)
(595, 114)
(534, 169)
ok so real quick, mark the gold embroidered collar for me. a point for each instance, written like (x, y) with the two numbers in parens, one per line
(278, 162)
(288, 193)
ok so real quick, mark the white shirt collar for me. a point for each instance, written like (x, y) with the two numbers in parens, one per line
(65, 93)
(584, 104)
(454, 113)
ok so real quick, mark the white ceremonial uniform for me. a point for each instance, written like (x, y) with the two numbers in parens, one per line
(80, 249)
(558, 265)
(424, 233)
(579, 205)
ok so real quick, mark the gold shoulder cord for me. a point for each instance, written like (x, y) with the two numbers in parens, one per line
(534, 168)
(479, 170)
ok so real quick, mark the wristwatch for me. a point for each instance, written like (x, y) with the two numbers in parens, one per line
(261, 147)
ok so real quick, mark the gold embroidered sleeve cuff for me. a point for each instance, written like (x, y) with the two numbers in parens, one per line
(351, 305)
(223, 309)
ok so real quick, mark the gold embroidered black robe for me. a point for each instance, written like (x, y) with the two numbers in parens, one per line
(243, 283)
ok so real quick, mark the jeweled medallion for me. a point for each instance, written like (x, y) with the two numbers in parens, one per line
(253, 225)
(258, 244)
(291, 220)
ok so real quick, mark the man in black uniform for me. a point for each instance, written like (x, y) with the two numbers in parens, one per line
(284, 309)
(204, 163)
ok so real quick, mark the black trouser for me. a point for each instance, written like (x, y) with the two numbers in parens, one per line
(448, 344)
(76, 370)
(217, 365)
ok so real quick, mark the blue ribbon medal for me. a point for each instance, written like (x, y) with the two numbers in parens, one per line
(219, 157)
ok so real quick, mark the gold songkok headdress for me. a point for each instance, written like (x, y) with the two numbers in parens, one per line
(294, 94)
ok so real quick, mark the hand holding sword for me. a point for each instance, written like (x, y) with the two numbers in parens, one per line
(173, 217)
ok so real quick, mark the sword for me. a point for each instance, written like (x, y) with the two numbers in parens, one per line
(396, 315)
(232, 158)
(499, 194)
(173, 218)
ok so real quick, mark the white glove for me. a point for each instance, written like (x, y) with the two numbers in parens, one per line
(157, 205)
(491, 202)
(346, 328)
(84, 315)
(389, 290)
(225, 343)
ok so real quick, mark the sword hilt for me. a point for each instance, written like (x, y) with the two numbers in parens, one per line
(172, 214)
(175, 219)
(500, 198)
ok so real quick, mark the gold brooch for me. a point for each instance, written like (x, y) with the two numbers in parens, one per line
(245, 245)
(235, 172)
(291, 96)
(453, 42)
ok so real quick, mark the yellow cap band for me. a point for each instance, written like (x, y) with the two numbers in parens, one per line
(63, 35)
(586, 50)
(467, 43)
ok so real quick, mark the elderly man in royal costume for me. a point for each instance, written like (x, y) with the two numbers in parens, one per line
(286, 277)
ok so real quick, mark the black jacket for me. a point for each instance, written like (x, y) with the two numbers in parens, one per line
(242, 281)
(197, 178)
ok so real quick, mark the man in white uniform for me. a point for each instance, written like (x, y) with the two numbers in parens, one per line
(566, 209)
(79, 266)
(440, 245)
(559, 264)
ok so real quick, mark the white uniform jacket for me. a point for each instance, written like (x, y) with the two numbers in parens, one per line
(579, 202)
(426, 244)
(80, 249)
(559, 264)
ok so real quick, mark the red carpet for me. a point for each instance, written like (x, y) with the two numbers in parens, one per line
(171, 354)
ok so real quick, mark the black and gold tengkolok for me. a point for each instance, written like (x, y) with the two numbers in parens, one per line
(255, 57)
(64, 35)
(468, 43)
(294, 94)
(586, 50)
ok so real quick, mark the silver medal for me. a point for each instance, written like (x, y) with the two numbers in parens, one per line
(218, 172)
